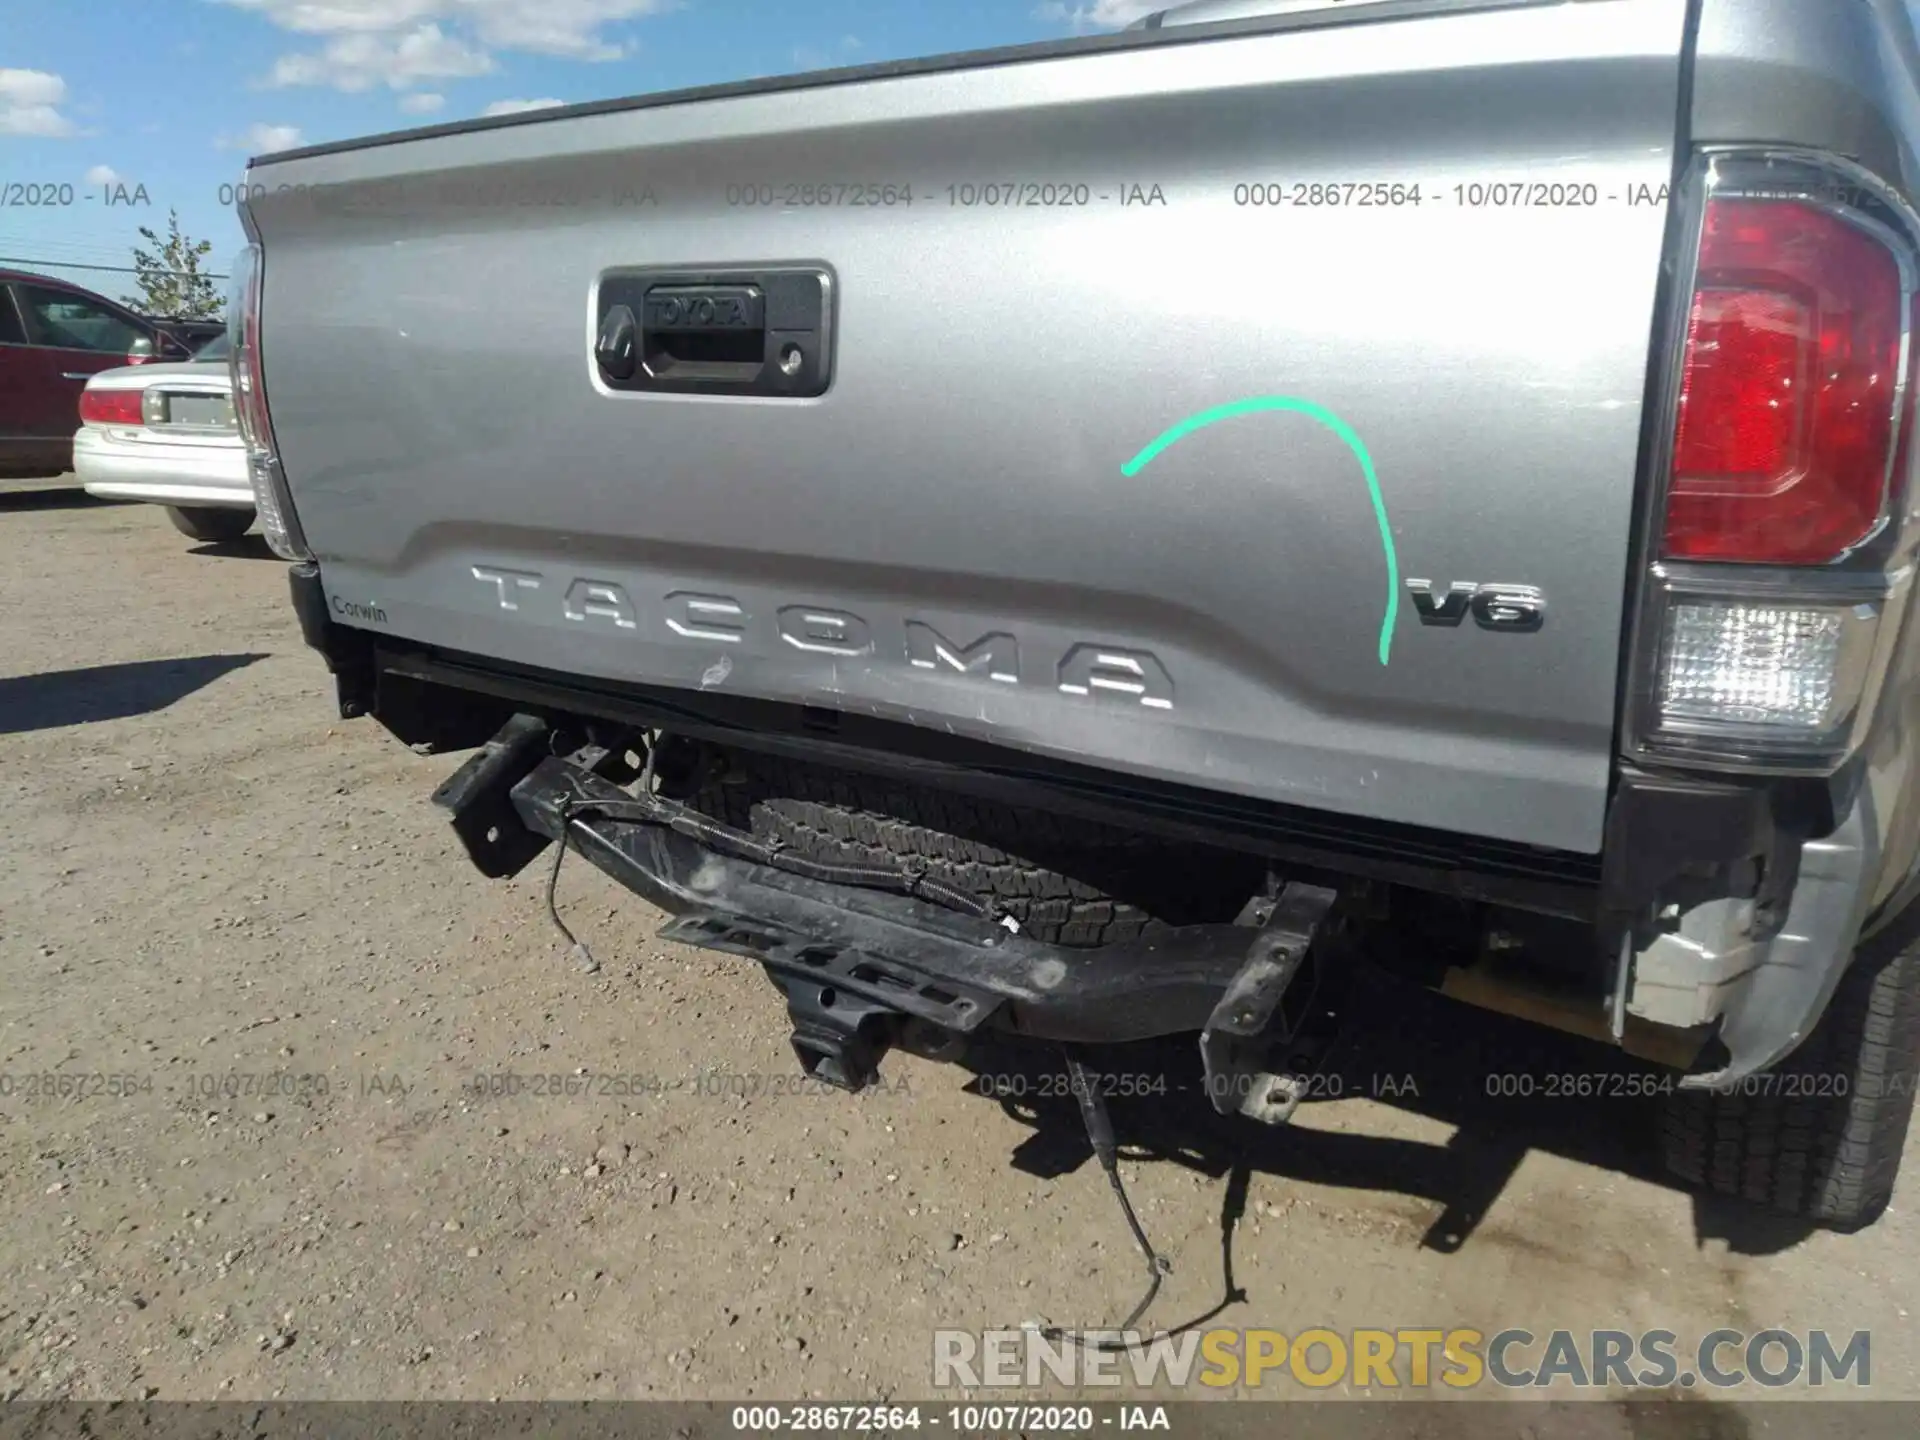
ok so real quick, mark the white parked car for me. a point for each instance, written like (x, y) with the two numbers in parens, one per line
(166, 434)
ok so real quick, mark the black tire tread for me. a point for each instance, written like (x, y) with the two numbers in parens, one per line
(210, 524)
(1820, 1136)
(1055, 875)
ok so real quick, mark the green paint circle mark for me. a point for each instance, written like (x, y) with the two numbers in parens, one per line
(1339, 427)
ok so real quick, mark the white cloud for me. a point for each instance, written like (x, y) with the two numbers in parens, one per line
(342, 17)
(399, 61)
(821, 57)
(569, 28)
(1100, 14)
(424, 102)
(30, 102)
(519, 107)
(102, 175)
(262, 139)
(402, 42)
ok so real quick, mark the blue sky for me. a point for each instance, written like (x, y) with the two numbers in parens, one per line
(169, 97)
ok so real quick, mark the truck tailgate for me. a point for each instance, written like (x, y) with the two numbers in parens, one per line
(1153, 385)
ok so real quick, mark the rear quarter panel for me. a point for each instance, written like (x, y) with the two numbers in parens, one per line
(1844, 79)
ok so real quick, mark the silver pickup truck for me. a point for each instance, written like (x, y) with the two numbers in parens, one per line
(1104, 539)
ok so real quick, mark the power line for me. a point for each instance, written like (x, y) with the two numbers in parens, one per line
(79, 252)
(114, 269)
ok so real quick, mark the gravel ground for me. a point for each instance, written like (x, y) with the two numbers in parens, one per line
(242, 915)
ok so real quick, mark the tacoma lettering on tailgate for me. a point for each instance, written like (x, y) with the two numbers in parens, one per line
(1089, 668)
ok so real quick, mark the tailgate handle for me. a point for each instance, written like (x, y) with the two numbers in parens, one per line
(704, 332)
(760, 332)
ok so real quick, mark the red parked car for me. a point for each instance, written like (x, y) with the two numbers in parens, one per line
(53, 336)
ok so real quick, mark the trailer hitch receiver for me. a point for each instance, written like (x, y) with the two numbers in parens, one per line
(848, 1005)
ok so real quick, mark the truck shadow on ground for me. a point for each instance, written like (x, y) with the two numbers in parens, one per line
(1411, 1049)
(247, 547)
(60, 698)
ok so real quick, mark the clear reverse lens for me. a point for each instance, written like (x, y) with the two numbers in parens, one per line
(1753, 665)
(266, 502)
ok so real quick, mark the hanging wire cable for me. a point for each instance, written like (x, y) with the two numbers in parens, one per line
(1093, 1114)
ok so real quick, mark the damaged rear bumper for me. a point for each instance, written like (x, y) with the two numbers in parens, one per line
(955, 971)
(863, 969)
(853, 961)
(1717, 906)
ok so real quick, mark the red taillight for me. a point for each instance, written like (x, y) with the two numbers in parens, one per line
(271, 496)
(110, 407)
(243, 361)
(1789, 387)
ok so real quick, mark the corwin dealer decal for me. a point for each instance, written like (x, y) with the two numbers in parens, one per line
(355, 610)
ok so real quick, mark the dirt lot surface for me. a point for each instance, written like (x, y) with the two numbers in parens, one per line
(235, 923)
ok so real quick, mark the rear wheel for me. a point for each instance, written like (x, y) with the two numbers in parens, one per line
(1063, 880)
(1820, 1136)
(210, 522)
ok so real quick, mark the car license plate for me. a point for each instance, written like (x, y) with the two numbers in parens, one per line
(212, 412)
